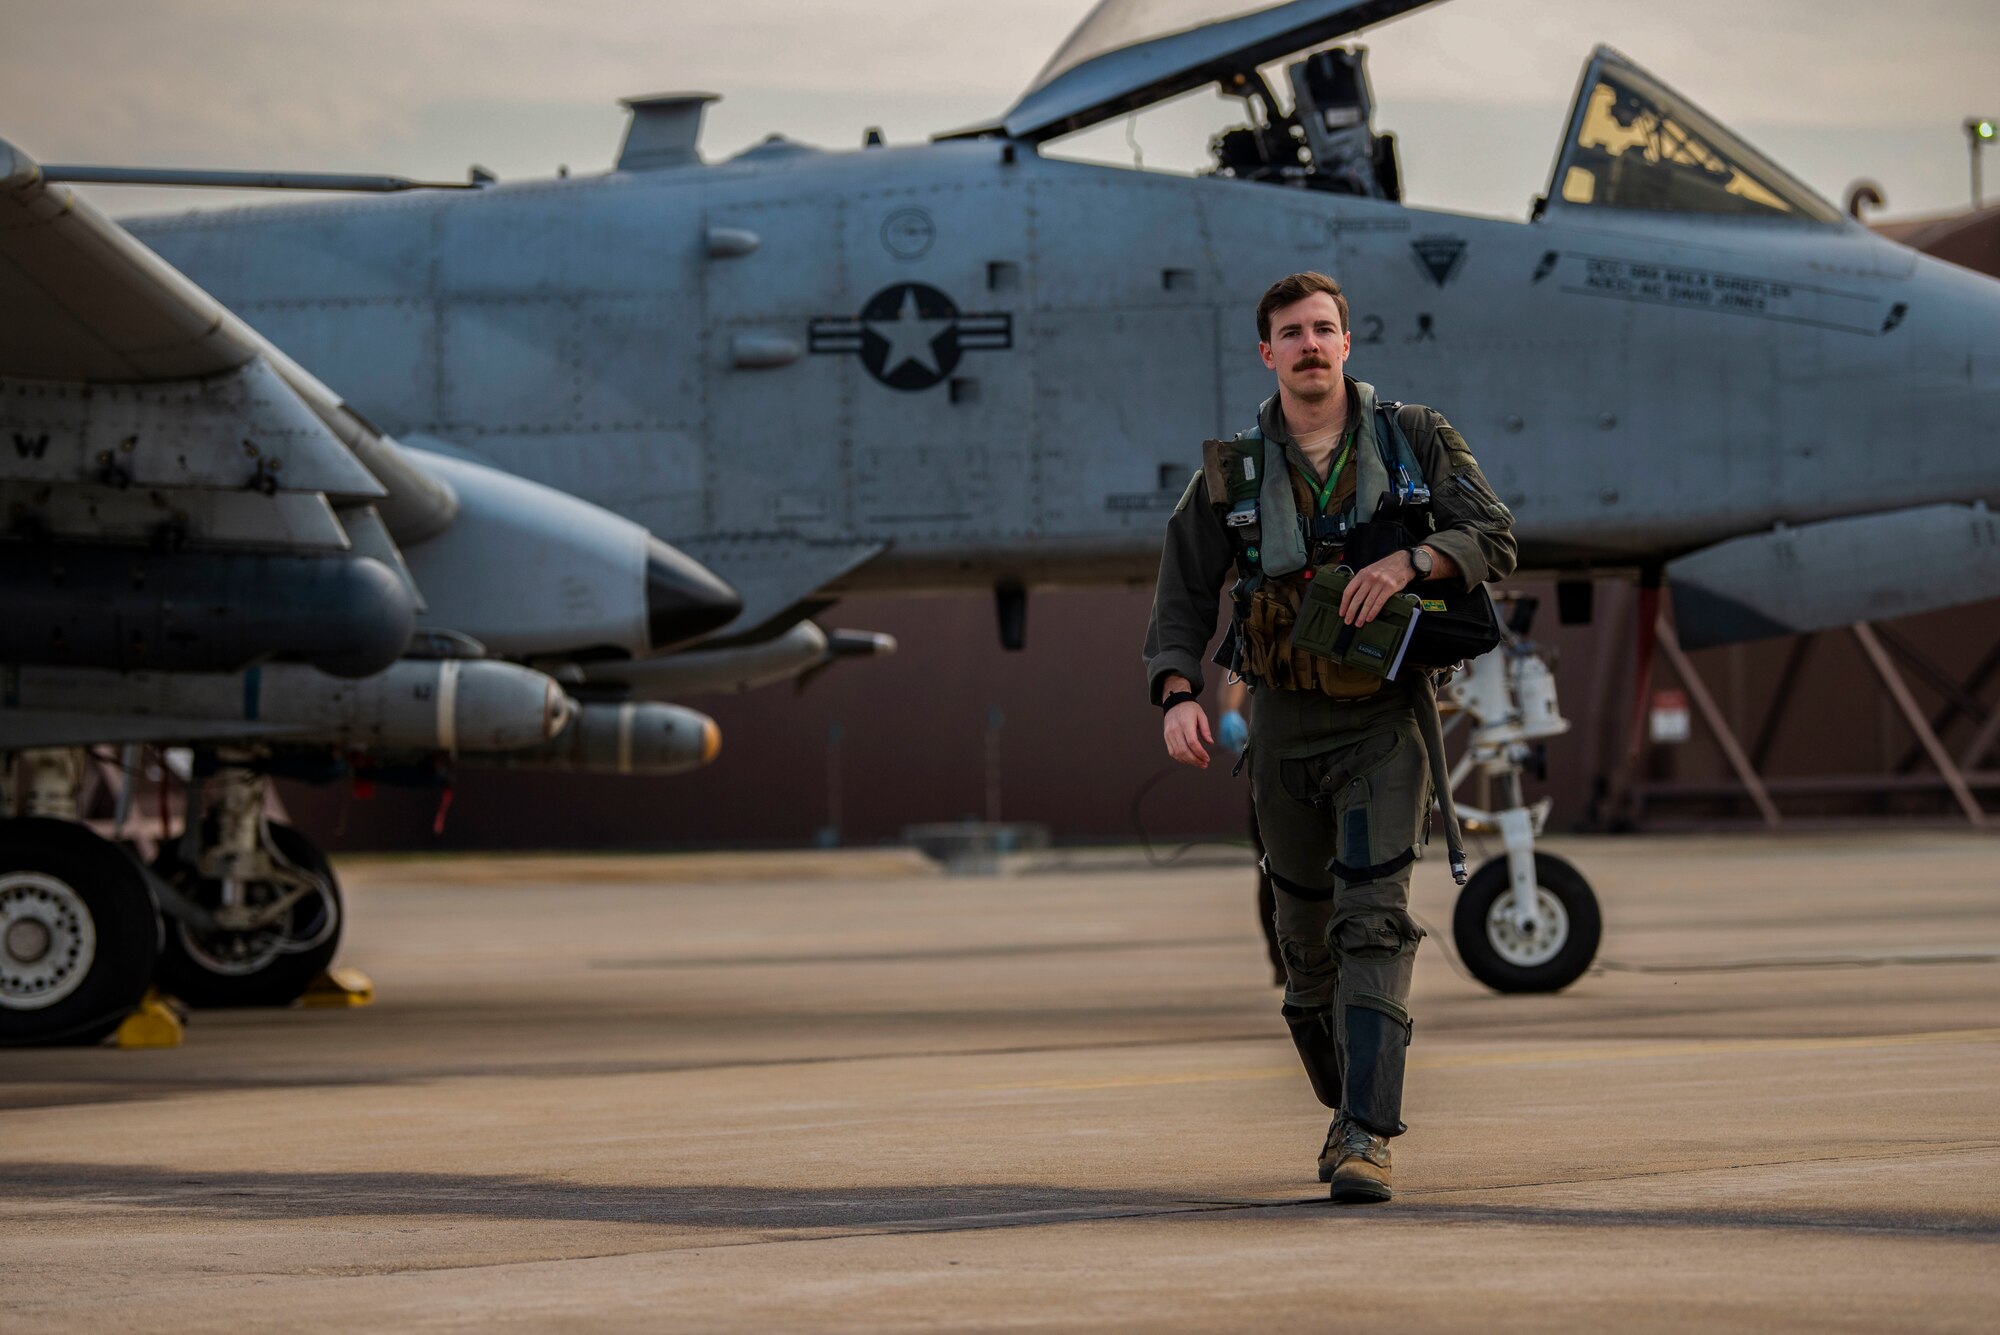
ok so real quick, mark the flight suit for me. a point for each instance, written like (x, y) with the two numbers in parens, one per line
(1338, 769)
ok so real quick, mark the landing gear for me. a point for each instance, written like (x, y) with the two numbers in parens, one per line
(1526, 921)
(254, 913)
(1542, 949)
(79, 933)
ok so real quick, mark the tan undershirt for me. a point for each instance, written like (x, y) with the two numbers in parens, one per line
(1318, 448)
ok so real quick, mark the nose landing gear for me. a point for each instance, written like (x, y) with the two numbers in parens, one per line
(1540, 951)
(1526, 921)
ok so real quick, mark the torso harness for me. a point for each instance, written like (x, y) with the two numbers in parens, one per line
(1249, 481)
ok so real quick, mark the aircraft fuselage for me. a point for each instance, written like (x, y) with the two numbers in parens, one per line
(1002, 366)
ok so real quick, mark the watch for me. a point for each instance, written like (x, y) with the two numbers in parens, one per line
(1420, 561)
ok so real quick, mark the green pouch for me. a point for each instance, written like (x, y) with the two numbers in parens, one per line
(1376, 648)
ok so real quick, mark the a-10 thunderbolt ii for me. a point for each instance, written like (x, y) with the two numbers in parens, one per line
(969, 364)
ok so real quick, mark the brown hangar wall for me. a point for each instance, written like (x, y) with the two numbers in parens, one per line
(1077, 741)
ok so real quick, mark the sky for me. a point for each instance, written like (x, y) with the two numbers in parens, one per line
(1476, 90)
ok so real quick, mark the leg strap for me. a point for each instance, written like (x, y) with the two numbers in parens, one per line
(1359, 875)
(1293, 888)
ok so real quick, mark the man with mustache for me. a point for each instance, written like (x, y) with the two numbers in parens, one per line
(1338, 769)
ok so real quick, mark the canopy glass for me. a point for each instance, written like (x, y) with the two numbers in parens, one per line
(1636, 144)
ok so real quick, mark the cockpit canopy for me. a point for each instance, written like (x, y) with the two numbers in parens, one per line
(1130, 54)
(1634, 143)
(1115, 24)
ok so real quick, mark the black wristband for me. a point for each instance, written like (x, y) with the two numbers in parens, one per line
(1177, 698)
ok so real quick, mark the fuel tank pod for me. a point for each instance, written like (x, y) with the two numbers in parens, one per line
(109, 607)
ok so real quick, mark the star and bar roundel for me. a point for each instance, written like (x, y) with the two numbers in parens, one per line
(911, 335)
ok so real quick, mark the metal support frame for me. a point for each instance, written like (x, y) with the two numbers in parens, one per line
(1948, 713)
(1871, 644)
(1788, 677)
(1697, 689)
(1982, 741)
(1960, 775)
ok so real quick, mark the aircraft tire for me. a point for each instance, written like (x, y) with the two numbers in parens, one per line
(1501, 955)
(79, 934)
(226, 969)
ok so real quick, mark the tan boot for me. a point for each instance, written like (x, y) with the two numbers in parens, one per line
(1331, 1150)
(1360, 1163)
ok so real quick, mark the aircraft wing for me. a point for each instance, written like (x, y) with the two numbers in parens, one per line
(85, 301)
(1129, 54)
(1794, 580)
(183, 501)
(121, 374)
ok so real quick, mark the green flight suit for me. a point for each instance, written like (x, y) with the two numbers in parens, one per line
(1342, 786)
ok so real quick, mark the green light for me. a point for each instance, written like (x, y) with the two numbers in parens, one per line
(1984, 129)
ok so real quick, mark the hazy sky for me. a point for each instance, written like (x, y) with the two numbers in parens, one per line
(1475, 89)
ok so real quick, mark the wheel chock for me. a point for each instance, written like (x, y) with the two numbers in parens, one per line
(339, 988)
(159, 1021)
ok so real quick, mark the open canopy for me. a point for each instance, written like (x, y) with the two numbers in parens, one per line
(1129, 54)
(1634, 143)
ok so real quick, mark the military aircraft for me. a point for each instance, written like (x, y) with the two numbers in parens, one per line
(969, 364)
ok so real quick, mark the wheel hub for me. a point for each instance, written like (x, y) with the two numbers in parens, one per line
(233, 953)
(241, 952)
(47, 940)
(28, 940)
(1524, 942)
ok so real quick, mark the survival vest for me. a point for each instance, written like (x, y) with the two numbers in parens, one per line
(1279, 546)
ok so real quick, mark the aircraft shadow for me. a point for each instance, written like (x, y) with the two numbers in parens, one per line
(895, 1208)
(307, 1195)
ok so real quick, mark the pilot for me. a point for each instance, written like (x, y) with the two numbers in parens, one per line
(1338, 767)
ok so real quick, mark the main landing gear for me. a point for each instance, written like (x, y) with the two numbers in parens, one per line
(238, 911)
(1526, 921)
(79, 933)
(256, 912)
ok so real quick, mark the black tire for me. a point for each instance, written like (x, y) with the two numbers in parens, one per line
(1471, 927)
(188, 963)
(91, 886)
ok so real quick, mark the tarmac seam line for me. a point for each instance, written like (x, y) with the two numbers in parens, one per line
(1544, 1057)
(1469, 1212)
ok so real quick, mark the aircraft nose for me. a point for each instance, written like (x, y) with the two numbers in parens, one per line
(684, 599)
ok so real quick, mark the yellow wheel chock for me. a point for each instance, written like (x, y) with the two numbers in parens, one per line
(339, 987)
(159, 1021)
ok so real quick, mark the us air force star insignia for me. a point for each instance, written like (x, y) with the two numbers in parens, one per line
(911, 335)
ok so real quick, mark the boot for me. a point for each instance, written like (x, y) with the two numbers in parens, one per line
(1330, 1150)
(1360, 1163)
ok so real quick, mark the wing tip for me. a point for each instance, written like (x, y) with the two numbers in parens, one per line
(17, 169)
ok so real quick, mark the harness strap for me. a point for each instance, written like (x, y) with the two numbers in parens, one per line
(1357, 875)
(1306, 892)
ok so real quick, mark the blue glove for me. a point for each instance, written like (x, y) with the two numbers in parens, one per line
(1233, 732)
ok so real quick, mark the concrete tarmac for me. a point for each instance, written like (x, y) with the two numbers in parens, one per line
(844, 1092)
